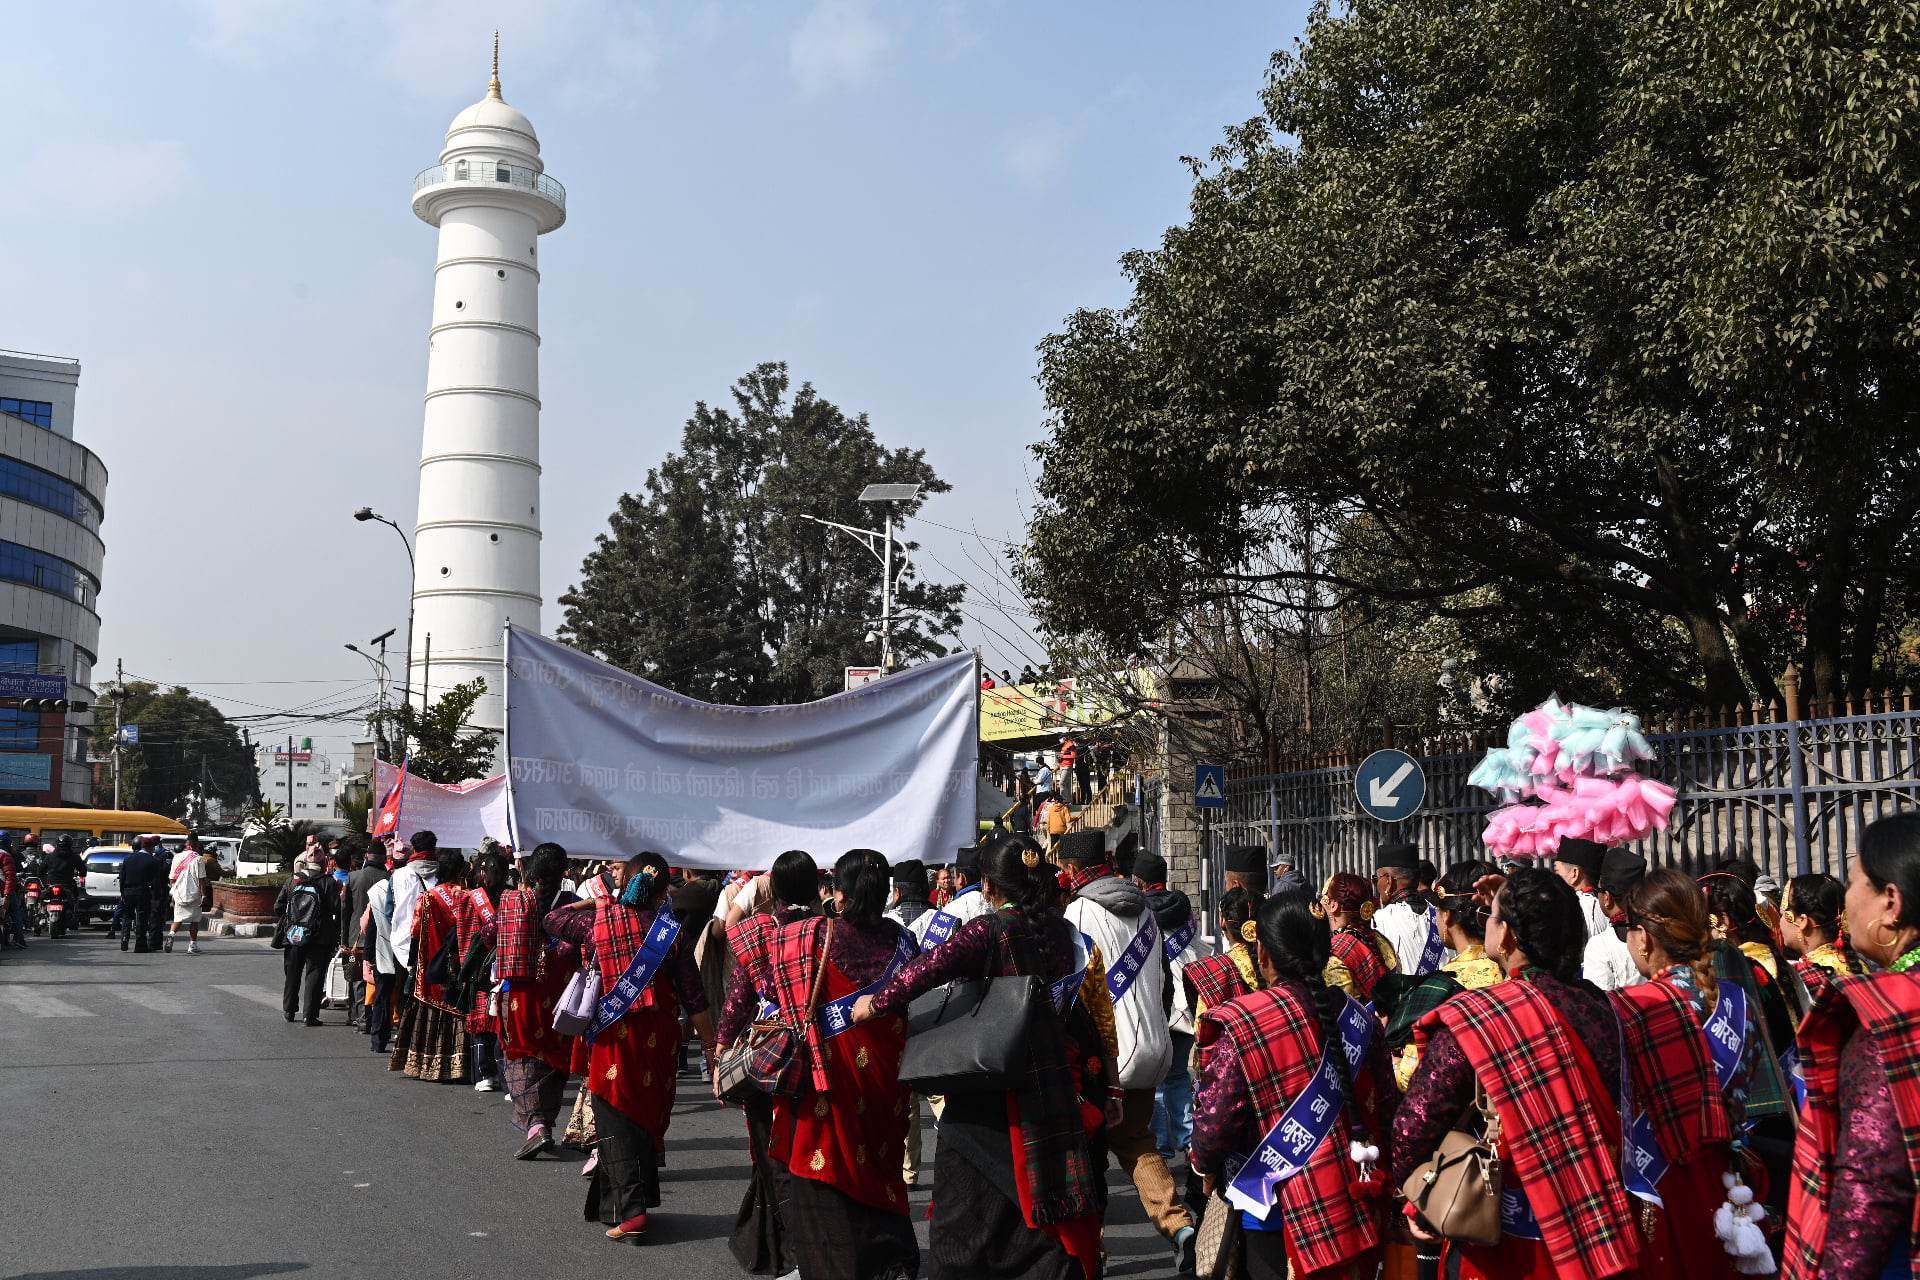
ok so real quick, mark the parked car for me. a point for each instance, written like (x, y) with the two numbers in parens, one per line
(102, 884)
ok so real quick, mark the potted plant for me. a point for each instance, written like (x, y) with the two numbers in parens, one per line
(248, 899)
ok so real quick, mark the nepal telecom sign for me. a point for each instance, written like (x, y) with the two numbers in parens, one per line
(1390, 786)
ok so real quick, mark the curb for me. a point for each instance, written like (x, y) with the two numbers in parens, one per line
(227, 929)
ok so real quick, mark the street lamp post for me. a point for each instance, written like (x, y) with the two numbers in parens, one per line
(381, 675)
(406, 685)
(880, 543)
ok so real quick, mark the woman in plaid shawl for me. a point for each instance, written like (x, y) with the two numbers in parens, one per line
(1675, 1084)
(431, 1041)
(1546, 1046)
(1463, 926)
(1020, 1191)
(1215, 980)
(1854, 1215)
(533, 973)
(1266, 1048)
(1360, 956)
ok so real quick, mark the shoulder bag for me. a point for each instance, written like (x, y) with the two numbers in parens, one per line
(971, 1036)
(774, 1057)
(573, 1015)
(1457, 1188)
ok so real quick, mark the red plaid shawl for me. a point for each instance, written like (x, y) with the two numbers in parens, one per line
(1560, 1132)
(1888, 1006)
(752, 941)
(1276, 1033)
(1363, 962)
(796, 952)
(1216, 979)
(517, 944)
(436, 931)
(1673, 1076)
(618, 934)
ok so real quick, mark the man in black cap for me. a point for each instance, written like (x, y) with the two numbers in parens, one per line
(1246, 868)
(1608, 964)
(1578, 863)
(1113, 913)
(1404, 919)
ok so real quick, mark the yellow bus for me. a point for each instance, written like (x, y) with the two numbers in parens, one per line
(108, 826)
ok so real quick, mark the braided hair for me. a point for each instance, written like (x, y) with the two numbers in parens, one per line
(1732, 900)
(1297, 944)
(1237, 906)
(1823, 900)
(546, 868)
(1456, 901)
(1672, 911)
(1543, 912)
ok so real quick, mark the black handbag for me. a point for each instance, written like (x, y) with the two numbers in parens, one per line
(971, 1037)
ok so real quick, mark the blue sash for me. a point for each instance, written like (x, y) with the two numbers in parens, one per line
(1516, 1215)
(1642, 1163)
(837, 1015)
(1177, 941)
(1436, 948)
(664, 932)
(1126, 969)
(1309, 1119)
(1727, 1033)
(1796, 1077)
(1063, 990)
(942, 926)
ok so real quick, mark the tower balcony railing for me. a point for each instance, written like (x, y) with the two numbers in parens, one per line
(489, 173)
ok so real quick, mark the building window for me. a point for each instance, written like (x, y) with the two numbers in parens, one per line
(18, 656)
(49, 573)
(460, 170)
(19, 730)
(45, 489)
(38, 412)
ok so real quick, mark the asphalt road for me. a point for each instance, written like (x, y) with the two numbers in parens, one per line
(159, 1120)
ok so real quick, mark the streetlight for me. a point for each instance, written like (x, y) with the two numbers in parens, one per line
(363, 515)
(880, 543)
(381, 675)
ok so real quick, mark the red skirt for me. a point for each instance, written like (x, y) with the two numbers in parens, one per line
(854, 1136)
(526, 1022)
(1681, 1244)
(634, 1068)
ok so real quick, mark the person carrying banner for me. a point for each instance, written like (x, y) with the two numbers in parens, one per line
(533, 971)
(647, 974)
(1113, 913)
(1298, 1057)
(1857, 1158)
(1021, 1193)
(1690, 1052)
(431, 1042)
(1410, 924)
(842, 1138)
(759, 1241)
(1360, 956)
(1546, 1048)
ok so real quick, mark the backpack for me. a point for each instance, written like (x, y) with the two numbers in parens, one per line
(303, 913)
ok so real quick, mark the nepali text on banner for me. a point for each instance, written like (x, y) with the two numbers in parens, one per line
(609, 765)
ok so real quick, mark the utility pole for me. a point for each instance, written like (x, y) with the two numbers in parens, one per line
(119, 697)
(886, 593)
(289, 779)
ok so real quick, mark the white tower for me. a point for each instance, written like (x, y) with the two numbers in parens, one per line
(477, 544)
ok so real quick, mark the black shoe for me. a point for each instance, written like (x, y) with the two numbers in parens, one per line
(293, 1017)
(313, 1022)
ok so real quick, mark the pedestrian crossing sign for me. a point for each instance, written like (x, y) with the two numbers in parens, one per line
(1210, 786)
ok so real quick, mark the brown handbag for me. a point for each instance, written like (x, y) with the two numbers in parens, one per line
(1457, 1188)
(774, 1057)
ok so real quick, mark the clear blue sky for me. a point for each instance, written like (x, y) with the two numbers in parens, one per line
(208, 206)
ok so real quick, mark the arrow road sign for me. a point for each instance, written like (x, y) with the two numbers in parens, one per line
(1390, 785)
(1210, 786)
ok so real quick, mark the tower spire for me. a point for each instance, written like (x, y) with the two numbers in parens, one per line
(493, 85)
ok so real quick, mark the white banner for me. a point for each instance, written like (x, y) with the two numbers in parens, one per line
(610, 765)
(460, 815)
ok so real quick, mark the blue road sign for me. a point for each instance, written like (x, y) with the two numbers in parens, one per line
(1390, 785)
(1210, 786)
(130, 734)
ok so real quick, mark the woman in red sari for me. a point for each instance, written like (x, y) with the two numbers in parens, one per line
(1019, 1193)
(842, 1140)
(533, 971)
(647, 974)
(431, 1043)
(479, 933)
(1546, 1045)
(1694, 1117)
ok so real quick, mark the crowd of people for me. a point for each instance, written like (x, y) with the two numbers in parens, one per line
(160, 894)
(1656, 1072)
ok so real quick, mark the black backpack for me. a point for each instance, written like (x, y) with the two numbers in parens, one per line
(304, 911)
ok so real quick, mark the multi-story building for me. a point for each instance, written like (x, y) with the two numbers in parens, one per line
(298, 779)
(52, 500)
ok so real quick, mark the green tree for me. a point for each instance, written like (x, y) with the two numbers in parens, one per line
(188, 751)
(441, 745)
(1591, 329)
(713, 581)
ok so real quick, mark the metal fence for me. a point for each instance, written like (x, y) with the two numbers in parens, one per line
(1791, 795)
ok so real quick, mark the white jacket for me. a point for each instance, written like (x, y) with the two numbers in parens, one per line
(1608, 964)
(1405, 926)
(409, 882)
(1181, 1019)
(1112, 911)
(1597, 922)
(379, 901)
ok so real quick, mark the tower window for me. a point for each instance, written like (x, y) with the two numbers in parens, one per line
(459, 306)
(501, 273)
(493, 537)
(444, 571)
(460, 170)
(503, 174)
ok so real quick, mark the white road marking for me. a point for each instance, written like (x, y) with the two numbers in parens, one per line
(150, 998)
(259, 995)
(37, 1004)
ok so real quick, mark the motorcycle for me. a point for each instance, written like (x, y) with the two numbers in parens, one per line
(34, 891)
(61, 904)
